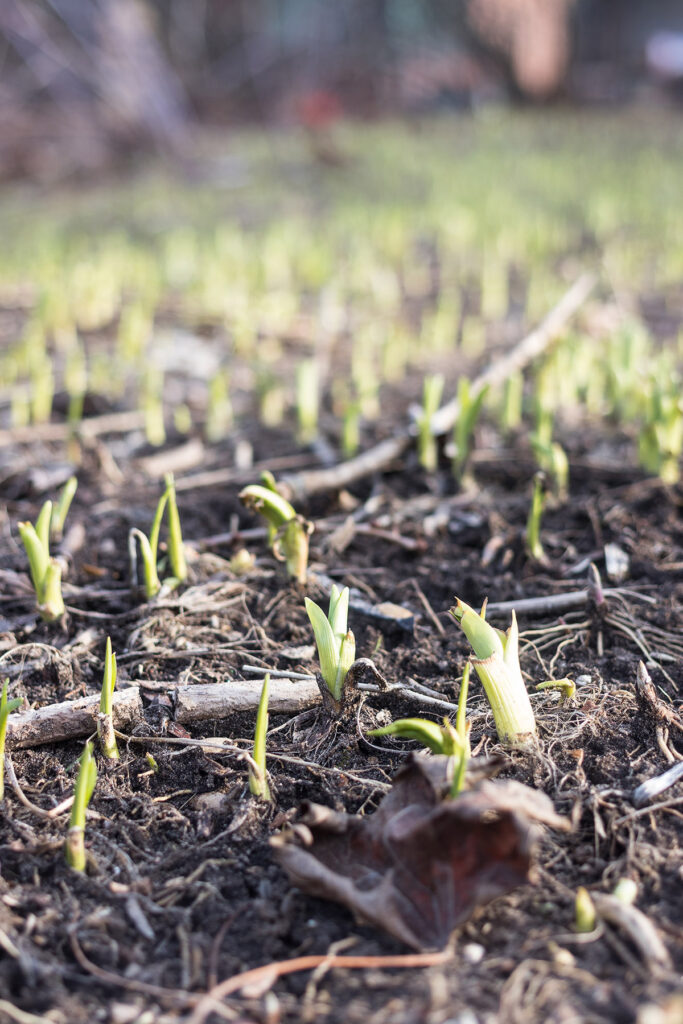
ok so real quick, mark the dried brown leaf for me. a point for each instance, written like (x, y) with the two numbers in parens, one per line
(421, 864)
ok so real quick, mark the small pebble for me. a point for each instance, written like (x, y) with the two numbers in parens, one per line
(473, 953)
(464, 1017)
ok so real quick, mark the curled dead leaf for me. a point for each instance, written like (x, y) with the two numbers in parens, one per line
(421, 864)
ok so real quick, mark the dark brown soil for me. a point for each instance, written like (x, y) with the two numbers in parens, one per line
(182, 892)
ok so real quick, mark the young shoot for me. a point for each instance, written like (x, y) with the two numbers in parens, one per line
(85, 784)
(533, 523)
(105, 722)
(585, 918)
(258, 781)
(511, 412)
(307, 399)
(550, 456)
(6, 708)
(61, 509)
(440, 739)
(219, 414)
(496, 662)
(350, 434)
(288, 532)
(660, 441)
(427, 448)
(566, 687)
(46, 572)
(176, 549)
(463, 430)
(149, 546)
(336, 646)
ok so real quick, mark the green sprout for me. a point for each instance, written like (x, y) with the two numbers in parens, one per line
(75, 382)
(42, 391)
(432, 390)
(511, 413)
(440, 739)
(61, 509)
(105, 723)
(336, 646)
(219, 414)
(85, 784)
(176, 548)
(152, 404)
(149, 546)
(533, 523)
(350, 436)
(307, 399)
(6, 708)
(497, 664)
(463, 428)
(46, 572)
(258, 781)
(660, 441)
(567, 687)
(584, 911)
(550, 456)
(288, 532)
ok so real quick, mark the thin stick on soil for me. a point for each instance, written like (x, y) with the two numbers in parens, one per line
(262, 978)
(196, 703)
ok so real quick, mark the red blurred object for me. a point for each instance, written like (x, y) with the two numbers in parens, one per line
(318, 109)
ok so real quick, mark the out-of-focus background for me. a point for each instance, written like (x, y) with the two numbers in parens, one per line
(86, 82)
(213, 210)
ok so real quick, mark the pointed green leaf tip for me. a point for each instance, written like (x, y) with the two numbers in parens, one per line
(328, 649)
(438, 739)
(485, 640)
(339, 611)
(336, 645)
(276, 509)
(258, 782)
(497, 665)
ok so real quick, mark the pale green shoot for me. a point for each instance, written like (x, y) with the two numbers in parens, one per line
(289, 541)
(258, 781)
(46, 572)
(6, 708)
(336, 646)
(552, 459)
(61, 509)
(149, 546)
(85, 784)
(440, 739)
(513, 391)
(105, 723)
(176, 549)
(463, 429)
(567, 687)
(307, 399)
(660, 441)
(585, 918)
(533, 523)
(497, 664)
(432, 389)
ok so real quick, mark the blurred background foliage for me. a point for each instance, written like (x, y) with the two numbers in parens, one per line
(85, 83)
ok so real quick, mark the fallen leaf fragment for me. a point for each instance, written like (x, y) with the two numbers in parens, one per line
(421, 864)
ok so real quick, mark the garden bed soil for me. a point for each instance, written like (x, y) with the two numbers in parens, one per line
(182, 889)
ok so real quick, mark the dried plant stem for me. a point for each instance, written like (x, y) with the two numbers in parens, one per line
(73, 718)
(264, 977)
